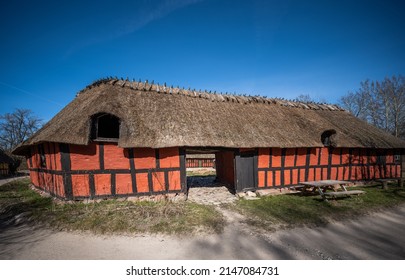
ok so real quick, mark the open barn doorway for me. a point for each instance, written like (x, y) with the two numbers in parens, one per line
(210, 175)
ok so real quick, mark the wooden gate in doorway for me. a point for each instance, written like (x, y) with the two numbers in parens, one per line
(246, 171)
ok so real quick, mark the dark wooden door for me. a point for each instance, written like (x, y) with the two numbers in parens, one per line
(246, 172)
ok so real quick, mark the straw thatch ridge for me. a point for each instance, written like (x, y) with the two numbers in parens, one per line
(218, 97)
(158, 116)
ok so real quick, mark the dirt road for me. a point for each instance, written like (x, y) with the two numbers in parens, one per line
(8, 180)
(377, 236)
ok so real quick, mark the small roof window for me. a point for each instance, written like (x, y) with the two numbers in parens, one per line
(328, 138)
(105, 127)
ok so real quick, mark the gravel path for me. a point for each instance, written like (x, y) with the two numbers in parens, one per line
(205, 190)
(8, 180)
(376, 236)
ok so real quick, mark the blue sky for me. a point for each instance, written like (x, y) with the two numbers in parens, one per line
(52, 49)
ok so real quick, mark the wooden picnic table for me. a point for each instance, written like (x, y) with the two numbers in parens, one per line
(384, 182)
(338, 188)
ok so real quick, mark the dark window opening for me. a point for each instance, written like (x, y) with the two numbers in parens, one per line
(42, 158)
(397, 158)
(381, 160)
(328, 138)
(106, 126)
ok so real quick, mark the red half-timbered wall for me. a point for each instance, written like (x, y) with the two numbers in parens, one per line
(46, 172)
(285, 167)
(104, 169)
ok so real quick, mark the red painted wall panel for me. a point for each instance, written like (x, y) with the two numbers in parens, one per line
(41, 180)
(334, 173)
(324, 156)
(278, 178)
(123, 184)
(174, 180)
(289, 158)
(169, 157)
(142, 183)
(301, 157)
(295, 173)
(80, 185)
(325, 174)
(35, 157)
(287, 177)
(84, 157)
(336, 156)
(102, 183)
(261, 178)
(58, 165)
(115, 157)
(263, 158)
(158, 179)
(144, 158)
(390, 157)
(345, 156)
(318, 174)
(59, 187)
(269, 178)
(311, 174)
(314, 157)
(34, 178)
(276, 157)
(48, 160)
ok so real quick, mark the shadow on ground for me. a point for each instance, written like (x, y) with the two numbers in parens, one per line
(377, 236)
(17, 238)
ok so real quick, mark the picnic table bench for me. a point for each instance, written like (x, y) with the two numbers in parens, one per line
(338, 188)
(385, 182)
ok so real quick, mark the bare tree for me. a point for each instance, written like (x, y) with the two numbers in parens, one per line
(17, 127)
(394, 92)
(356, 103)
(380, 103)
(304, 98)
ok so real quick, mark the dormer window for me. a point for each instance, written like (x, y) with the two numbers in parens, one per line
(105, 127)
(328, 138)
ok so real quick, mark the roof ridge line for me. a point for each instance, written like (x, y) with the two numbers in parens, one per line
(213, 96)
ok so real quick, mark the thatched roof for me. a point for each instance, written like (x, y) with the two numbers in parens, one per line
(4, 157)
(158, 116)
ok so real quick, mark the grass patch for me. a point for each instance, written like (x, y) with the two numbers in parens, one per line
(16, 198)
(286, 211)
(109, 216)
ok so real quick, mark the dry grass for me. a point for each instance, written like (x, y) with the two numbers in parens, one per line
(287, 211)
(108, 216)
(113, 216)
(136, 217)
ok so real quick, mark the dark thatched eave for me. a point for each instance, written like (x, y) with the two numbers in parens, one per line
(4, 157)
(159, 116)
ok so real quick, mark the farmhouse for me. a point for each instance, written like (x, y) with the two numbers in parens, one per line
(5, 162)
(125, 138)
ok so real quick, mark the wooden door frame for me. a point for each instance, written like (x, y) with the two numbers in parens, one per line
(237, 155)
